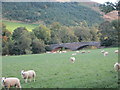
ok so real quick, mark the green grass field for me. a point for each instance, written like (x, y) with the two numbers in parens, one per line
(90, 70)
(11, 26)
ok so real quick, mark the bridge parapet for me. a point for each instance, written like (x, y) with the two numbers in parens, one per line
(74, 45)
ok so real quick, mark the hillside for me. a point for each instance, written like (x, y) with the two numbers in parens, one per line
(113, 15)
(71, 13)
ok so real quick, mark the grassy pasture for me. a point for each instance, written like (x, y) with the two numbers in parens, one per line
(90, 70)
(11, 26)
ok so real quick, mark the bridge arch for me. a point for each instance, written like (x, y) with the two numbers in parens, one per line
(84, 46)
(74, 45)
(60, 48)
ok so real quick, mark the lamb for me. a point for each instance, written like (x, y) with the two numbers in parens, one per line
(105, 53)
(28, 75)
(117, 66)
(116, 51)
(72, 59)
(102, 51)
(10, 82)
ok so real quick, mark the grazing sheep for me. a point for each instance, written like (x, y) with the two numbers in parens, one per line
(74, 54)
(83, 52)
(77, 51)
(105, 53)
(116, 51)
(72, 59)
(10, 82)
(89, 52)
(102, 51)
(117, 66)
(28, 75)
(64, 51)
(54, 52)
(48, 52)
(60, 52)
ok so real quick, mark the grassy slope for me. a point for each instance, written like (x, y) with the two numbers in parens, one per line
(13, 25)
(91, 70)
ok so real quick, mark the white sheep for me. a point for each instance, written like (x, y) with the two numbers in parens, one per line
(102, 51)
(10, 82)
(74, 54)
(54, 52)
(117, 66)
(64, 51)
(105, 53)
(28, 75)
(48, 52)
(77, 51)
(116, 51)
(83, 52)
(72, 59)
(60, 52)
(89, 51)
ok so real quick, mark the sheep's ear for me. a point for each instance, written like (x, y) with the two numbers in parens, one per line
(23, 73)
(3, 81)
(22, 70)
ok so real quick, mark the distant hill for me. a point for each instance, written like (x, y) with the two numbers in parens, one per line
(113, 15)
(72, 0)
(46, 0)
(67, 13)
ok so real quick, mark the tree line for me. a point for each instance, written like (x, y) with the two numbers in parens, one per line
(109, 6)
(21, 41)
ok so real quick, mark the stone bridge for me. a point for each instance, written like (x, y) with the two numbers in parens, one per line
(74, 45)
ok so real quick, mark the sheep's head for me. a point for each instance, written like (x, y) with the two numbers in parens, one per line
(22, 72)
(2, 80)
(116, 63)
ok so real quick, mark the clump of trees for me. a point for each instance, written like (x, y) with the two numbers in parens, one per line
(109, 33)
(110, 29)
(21, 41)
(109, 6)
